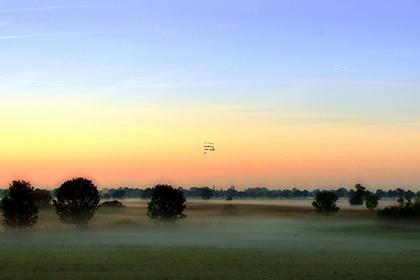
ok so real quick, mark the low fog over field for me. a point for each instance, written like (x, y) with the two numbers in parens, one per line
(239, 240)
(264, 225)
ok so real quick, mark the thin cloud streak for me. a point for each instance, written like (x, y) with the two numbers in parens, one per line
(45, 8)
(342, 67)
(35, 35)
(42, 83)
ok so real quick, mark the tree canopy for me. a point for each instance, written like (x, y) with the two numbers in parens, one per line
(77, 201)
(166, 204)
(356, 197)
(325, 202)
(19, 209)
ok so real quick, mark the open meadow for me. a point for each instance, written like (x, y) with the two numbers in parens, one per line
(218, 239)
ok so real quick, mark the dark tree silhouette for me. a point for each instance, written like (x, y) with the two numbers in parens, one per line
(166, 204)
(77, 201)
(357, 196)
(404, 209)
(325, 202)
(372, 201)
(19, 210)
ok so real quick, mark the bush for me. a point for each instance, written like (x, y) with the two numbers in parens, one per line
(372, 201)
(19, 209)
(112, 204)
(357, 196)
(325, 202)
(77, 201)
(404, 209)
(166, 204)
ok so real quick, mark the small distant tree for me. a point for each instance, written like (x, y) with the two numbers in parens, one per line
(166, 204)
(77, 201)
(19, 209)
(325, 202)
(372, 201)
(357, 196)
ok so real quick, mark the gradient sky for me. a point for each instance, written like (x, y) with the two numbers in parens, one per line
(297, 93)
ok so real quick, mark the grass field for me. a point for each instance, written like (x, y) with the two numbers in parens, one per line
(245, 240)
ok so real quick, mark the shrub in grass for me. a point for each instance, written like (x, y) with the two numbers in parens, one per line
(19, 209)
(325, 202)
(112, 204)
(166, 204)
(372, 201)
(404, 209)
(357, 196)
(77, 201)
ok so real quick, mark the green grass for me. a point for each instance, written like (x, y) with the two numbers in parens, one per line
(183, 263)
(124, 244)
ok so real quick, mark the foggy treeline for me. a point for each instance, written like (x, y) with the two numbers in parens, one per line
(248, 193)
(232, 192)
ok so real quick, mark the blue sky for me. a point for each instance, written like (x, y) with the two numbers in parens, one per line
(266, 43)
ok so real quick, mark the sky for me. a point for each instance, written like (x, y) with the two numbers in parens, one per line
(295, 93)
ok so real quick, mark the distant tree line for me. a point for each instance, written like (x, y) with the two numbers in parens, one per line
(255, 193)
(249, 193)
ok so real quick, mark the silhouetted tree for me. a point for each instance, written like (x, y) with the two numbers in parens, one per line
(77, 201)
(19, 209)
(166, 204)
(42, 198)
(325, 202)
(357, 196)
(372, 201)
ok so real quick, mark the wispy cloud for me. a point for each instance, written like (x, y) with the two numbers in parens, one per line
(146, 82)
(42, 83)
(44, 8)
(34, 35)
(342, 67)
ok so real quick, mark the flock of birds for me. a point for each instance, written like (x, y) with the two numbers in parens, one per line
(208, 147)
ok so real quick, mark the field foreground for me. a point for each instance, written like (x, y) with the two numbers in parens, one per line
(217, 240)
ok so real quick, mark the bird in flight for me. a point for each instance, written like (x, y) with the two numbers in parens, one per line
(208, 147)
